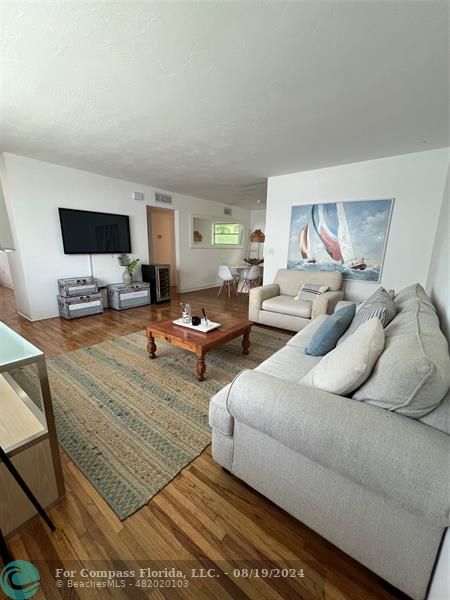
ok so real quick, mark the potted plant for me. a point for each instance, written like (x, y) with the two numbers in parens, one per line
(129, 267)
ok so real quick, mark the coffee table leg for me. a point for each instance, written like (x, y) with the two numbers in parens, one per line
(246, 342)
(201, 367)
(151, 346)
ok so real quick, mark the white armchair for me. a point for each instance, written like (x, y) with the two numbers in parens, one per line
(275, 304)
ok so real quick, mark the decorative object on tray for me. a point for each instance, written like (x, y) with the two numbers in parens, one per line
(129, 267)
(254, 261)
(349, 237)
(186, 312)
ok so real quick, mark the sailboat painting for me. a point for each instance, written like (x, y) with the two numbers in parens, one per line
(349, 237)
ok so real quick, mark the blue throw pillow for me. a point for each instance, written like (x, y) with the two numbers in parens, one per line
(328, 334)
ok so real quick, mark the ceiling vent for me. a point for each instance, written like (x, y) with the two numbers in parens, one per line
(163, 198)
(227, 211)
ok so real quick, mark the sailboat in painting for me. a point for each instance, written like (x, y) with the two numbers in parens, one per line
(303, 241)
(330, 224)
(349, 237)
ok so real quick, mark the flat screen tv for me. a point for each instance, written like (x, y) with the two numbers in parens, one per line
(87, 232)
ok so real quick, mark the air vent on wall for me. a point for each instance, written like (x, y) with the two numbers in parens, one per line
(227, 211)
(164, 198)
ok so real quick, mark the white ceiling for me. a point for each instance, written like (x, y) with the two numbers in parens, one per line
(211, 98)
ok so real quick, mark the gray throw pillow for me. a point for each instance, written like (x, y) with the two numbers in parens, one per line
(379, 305)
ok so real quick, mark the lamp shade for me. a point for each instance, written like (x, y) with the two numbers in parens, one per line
(257, 236)
(6, 241)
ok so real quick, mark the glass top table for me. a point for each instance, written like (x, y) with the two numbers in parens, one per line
(14, 350)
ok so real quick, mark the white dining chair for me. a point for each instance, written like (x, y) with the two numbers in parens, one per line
(228, 280)
(250, 278)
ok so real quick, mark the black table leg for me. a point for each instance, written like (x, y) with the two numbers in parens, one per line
(5, 554)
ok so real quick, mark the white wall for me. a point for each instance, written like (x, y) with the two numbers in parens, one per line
(438, 283)
(258, 219)
(34, 190)
(5, 242)
(5, 270)
(416, 181)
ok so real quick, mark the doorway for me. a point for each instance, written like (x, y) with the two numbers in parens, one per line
(161, 239)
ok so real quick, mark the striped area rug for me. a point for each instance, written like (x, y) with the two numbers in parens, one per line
(131, 424)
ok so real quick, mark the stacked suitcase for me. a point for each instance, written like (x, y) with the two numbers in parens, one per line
(122, 295)
(79, 297)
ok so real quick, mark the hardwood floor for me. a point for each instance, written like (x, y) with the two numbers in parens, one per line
(205, 518)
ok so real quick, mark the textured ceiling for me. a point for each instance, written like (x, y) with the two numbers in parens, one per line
(211, 98)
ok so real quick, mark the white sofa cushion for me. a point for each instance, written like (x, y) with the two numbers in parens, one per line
(288, 363)
(345, 368)
(413, 374)
(287, 305)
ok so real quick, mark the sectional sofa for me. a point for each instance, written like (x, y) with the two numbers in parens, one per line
(358, 470)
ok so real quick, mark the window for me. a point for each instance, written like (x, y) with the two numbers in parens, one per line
(227, 234)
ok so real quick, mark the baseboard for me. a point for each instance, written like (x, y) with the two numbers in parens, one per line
(24, 316)
(40, 318)
(198, 289)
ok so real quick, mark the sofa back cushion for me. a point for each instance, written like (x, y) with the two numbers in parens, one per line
(413, 374)
(291, 280)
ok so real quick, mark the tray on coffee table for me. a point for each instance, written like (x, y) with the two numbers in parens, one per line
(202, 328)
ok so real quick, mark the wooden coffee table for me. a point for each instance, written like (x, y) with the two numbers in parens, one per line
(197, 342)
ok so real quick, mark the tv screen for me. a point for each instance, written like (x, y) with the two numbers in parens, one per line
(86, 232)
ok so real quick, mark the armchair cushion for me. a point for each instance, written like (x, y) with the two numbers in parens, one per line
(287, 305)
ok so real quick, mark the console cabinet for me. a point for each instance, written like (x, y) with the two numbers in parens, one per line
(27, 431)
